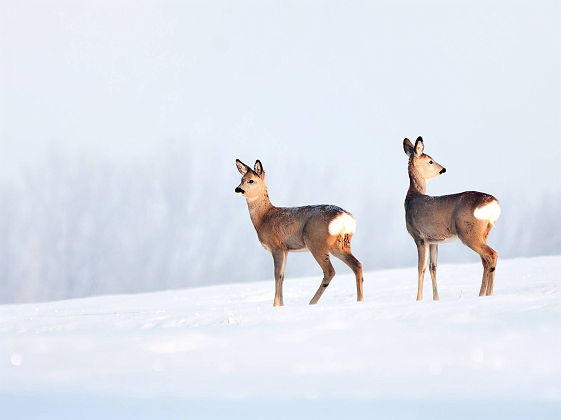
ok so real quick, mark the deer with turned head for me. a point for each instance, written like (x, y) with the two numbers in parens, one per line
(430, 220)
(320, 229)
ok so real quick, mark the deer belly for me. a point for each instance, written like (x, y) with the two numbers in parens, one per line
(298, 249)
(443, 240)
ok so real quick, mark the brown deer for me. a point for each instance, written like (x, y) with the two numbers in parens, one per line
(469, 216)
(321, 229)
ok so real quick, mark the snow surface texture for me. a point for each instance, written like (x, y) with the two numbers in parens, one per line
(225, 352)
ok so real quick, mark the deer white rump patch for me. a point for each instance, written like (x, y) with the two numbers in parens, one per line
(490, 211)
(343, 223)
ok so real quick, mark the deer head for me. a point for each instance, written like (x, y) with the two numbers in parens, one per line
(420, 163)
(252, 184)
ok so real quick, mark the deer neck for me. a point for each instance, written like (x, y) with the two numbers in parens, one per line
(258, 207)
(417, 183)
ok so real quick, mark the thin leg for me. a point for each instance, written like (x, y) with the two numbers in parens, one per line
(489, 259)
(433, 249)
(476, 239)
(422, 250)
(279, 259)
(328, 272)
(493, 256)
(356, 266)
(485, 279)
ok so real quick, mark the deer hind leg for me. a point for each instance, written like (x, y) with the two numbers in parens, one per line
(422, 251)
(279, 259)
(492, 256)
(323, 260)
(355, 265)
(485, 278)
(488, 258)
(433, 249)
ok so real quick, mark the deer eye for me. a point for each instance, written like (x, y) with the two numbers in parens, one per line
(431, 162)
(251, 181)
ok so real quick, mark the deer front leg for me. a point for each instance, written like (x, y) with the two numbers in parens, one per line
(279, 259)
(422, 251)
(433, 250)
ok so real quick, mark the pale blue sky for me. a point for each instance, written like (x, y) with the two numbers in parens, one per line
(275, 79)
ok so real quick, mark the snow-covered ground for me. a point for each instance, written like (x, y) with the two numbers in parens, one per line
(225, 352)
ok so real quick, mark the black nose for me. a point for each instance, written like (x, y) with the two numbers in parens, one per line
(443, 170)
(239, 190)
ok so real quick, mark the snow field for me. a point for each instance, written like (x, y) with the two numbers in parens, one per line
(217, 350)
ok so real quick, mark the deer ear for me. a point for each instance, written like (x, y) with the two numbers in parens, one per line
(419, 146)
(407, 147)
(242, 167)
(258, 168)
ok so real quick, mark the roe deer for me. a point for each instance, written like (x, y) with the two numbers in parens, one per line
(469, 216)
(320, 229)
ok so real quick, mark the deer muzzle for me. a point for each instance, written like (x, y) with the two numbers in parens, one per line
(239, 190)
